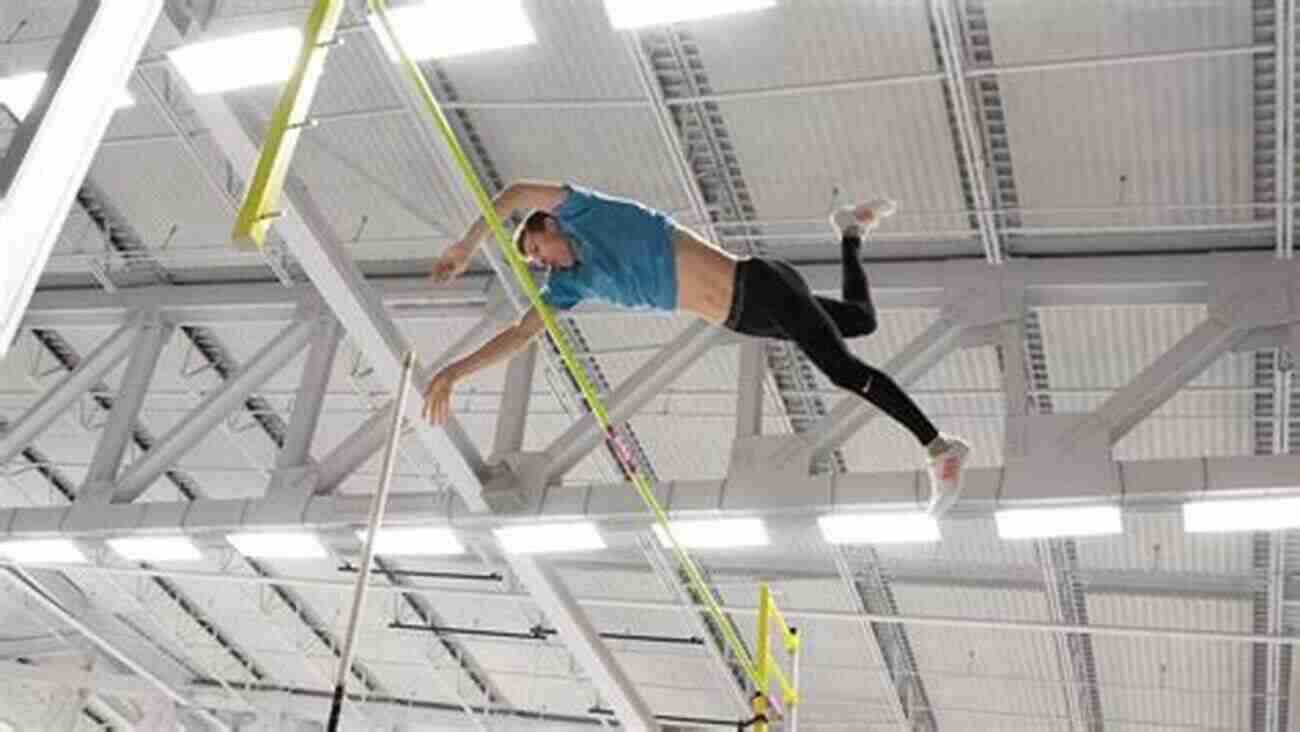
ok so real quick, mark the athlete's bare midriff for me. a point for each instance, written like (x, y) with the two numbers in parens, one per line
(705, 276)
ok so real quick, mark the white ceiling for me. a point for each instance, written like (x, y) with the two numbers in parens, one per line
(1181, 133)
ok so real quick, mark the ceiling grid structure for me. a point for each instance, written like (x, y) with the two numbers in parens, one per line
(1123, 142)
(209, 346)
(118, 234)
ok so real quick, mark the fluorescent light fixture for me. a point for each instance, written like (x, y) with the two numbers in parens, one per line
(639, 13)
(1242, 514)
(414, 541)
(282, 545)
(42, 551)
(252, 59)
(715, 534)
(545, 538)
(438, 30)
(19, 92)
(899, 527)
(1046, 523)
(156, 549)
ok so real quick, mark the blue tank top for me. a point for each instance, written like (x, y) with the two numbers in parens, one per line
(623, 253)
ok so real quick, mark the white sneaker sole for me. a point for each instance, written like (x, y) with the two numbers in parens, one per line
(943, 496)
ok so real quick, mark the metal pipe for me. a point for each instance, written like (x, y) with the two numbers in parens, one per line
(860, 84)
(368, 553)
(29, 586)
(1288, 165)
(938, 621)
(1094, 62)
(481, 577)
(540, 633)
(951, 46)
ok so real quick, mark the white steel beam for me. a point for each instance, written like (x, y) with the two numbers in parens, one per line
(72, 387)
(365, 441)
(54, 145)
(852, 413)
(977, 302)
(935, 621)
(215, 407)
(352, 451)
(310, 397)
(318, 249)
(1067, 281)
(750, 382)
(409, 298)
(118, 431)
(658, 372)
(1145, 485)
(1175, 368)
(513, 417)
(1246, 296)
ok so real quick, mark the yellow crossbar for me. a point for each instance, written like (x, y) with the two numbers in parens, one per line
(380, 20)
(287, 122)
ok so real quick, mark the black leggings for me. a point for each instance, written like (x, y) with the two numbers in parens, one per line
(771, 300)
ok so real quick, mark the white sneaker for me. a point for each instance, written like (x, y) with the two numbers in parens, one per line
(862, 218)
(945, 475)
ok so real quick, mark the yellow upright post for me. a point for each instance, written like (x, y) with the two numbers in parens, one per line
(287, 123)
(762, 657)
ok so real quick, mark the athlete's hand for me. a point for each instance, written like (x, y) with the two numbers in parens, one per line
(437, 397)
(451, 264)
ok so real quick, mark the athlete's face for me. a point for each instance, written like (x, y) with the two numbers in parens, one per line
(548, 246)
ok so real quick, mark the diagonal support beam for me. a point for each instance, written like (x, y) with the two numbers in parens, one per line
(119, 430)
(366, 440)
(352, 451)
(750, 383)
(1174, 369)
(658, 372)
(72, 387)
(513, 417)
(310, 397)
(852, 413)
(220, 403)
(53, 147)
